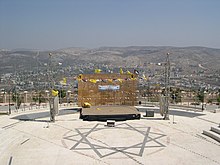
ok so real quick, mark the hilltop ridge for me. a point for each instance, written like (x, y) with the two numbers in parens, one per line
(188, 59)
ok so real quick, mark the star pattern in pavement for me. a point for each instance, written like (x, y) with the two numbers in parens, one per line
(81, 140)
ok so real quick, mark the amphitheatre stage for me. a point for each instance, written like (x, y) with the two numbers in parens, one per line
(112, 112)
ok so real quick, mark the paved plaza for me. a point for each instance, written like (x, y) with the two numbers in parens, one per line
(29, 138)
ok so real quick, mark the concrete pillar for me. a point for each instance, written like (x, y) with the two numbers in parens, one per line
(47, 95)
(4, 94)
(25, 96)
(68, 96)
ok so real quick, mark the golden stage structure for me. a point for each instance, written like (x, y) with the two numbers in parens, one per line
(107, 89)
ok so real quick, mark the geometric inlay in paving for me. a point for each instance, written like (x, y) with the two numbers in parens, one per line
(131, 140)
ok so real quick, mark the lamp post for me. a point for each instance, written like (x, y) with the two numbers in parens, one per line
(9, 98)
(167, 87)
(51, 99)
(25, 98)
(9, 103)
(38, 93)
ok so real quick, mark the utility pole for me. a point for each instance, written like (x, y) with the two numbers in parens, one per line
(167, 87)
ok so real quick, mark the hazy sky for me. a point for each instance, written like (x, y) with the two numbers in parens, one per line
(54, 24)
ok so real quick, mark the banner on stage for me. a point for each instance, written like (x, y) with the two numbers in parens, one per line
(109, 87)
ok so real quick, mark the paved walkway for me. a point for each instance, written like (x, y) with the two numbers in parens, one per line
(29, 138)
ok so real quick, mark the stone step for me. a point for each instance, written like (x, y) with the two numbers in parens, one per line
(212, 135)
(216, 130)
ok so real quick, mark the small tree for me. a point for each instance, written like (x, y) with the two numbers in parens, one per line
(62, 94)
(209, 101)
(218, 98)
(175, 95)
(17, 99)
(35, 99)
(201, 96)
(40, 98)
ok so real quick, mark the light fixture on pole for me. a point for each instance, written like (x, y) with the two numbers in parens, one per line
(167, 87)
(51, 98)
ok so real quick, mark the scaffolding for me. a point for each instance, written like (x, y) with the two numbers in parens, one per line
(107, 89)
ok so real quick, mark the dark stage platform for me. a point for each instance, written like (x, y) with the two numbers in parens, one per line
(112, 112)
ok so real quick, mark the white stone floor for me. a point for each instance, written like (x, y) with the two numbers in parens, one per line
(72, 141)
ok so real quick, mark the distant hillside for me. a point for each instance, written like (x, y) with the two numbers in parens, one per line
(186, 58)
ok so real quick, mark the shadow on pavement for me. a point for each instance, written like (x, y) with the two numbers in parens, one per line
(152, 118)
(177, 112)
(39, 115)
(185, 113)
